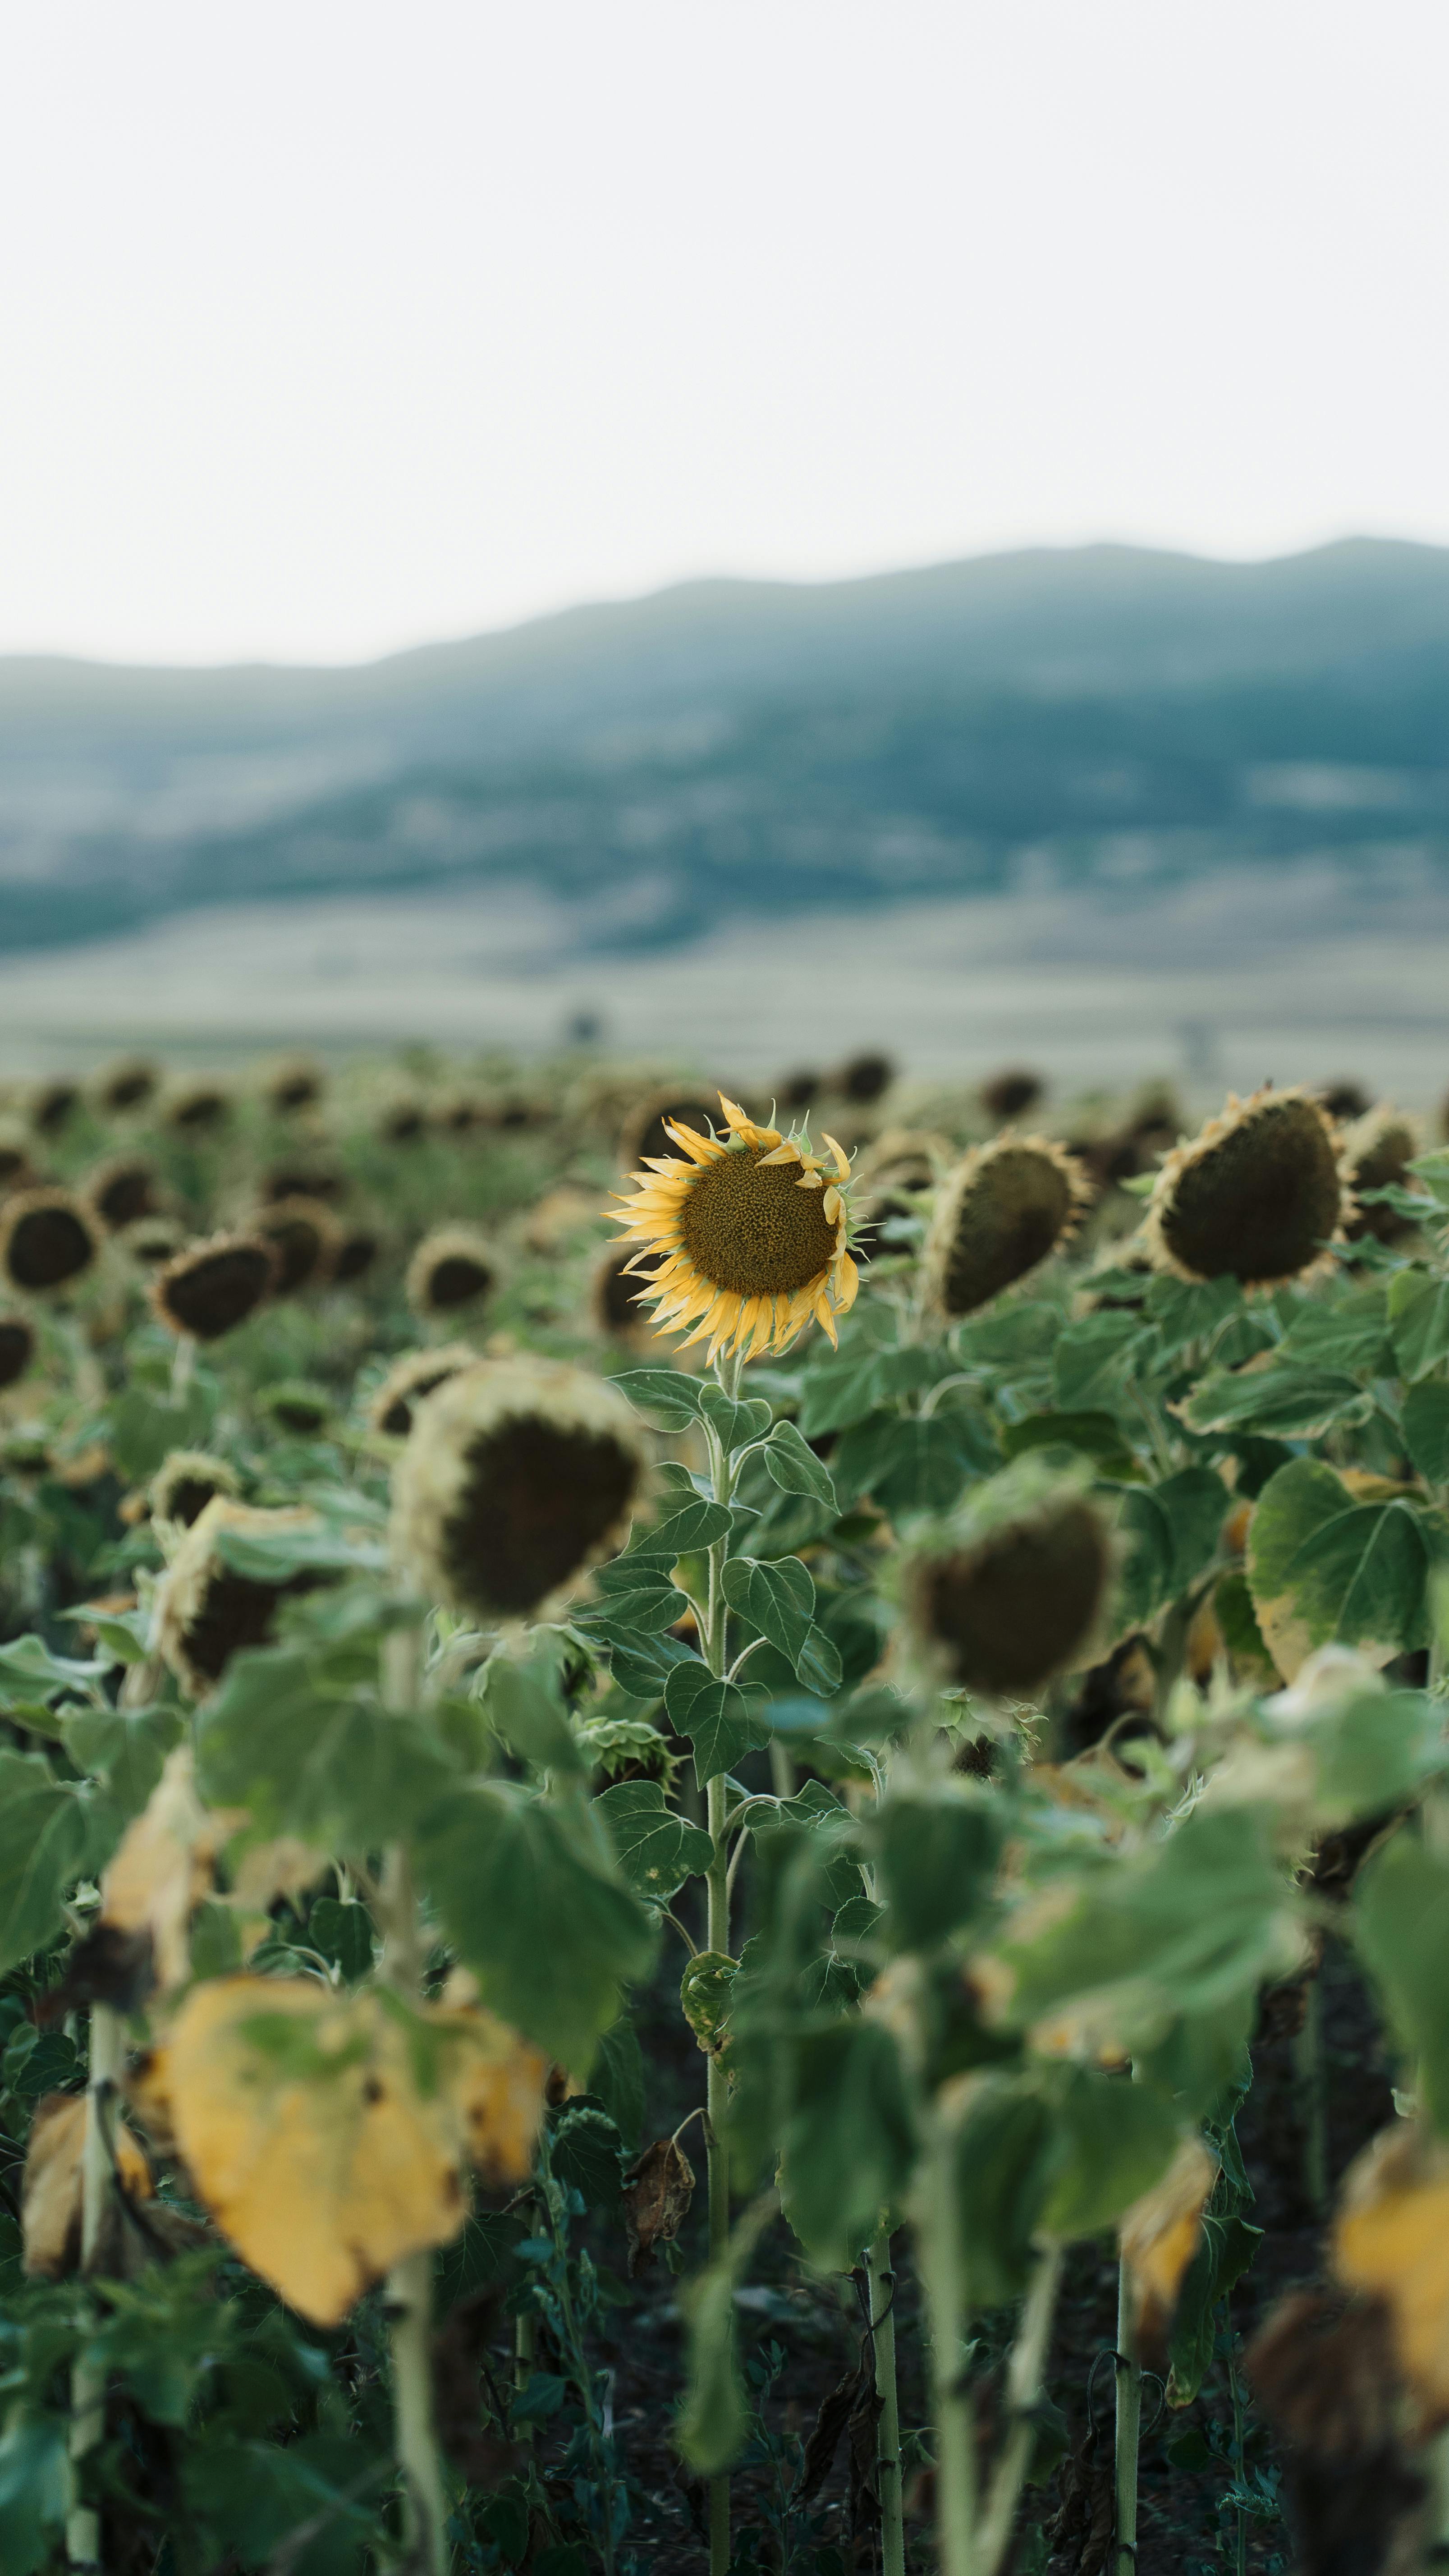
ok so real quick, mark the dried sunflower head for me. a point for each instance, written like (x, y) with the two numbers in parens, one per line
(48, 1241)
(150, 1241)
(185, 1482)
(403, 1120)
(864, 1078)
(1345, 1101)
(648, 1129)
(518, 1476)
(1010, 1094)
(750, 1234)
(291, 1083)
(305, 1236)
(17, 1348)
(298, 1406)
(17, 1171)
(614, 1293)
(120, 1190)
(409, 1380)
(210, 1287)
(301, 1180)
(356, 1252)
(205, 1611)
(1004, 1209)
(1011, 1591)
(800, 1088)
(131, 1083)
(1256, 1196)
(196, 1108)
(451, 1268)
(52, 1105)
(1378, 1150)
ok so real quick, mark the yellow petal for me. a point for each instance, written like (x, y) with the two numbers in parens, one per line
(811, 1181)
(786, 1153)
(842, 1159)
(830, 1207)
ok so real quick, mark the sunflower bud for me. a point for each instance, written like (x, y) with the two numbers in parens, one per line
(123, 1189)
(128, 1084)
(185, 1482)
(1378, 1150)
(205, 1611)
(48, 1241)
(518, 1476)
(1004, 1209)
(1255, 1197)
(409, 1380)
(305, 1236)
(17, 1348)
(450, 1269)
(1010, 1594)
(210, 1287)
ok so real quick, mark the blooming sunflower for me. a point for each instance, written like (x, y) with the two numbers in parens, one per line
(749, 1231)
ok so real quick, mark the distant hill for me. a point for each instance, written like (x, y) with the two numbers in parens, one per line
(1104, 715)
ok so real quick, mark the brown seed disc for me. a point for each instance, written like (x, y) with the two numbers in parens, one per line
(210, 1288)
(47, 1242)
(749, 1227)
(17, 1348)
(356, 1254)
(536, 1499)
(1259, 1202)
(1013, 1208)
(1017, 1609)
(122, 1191)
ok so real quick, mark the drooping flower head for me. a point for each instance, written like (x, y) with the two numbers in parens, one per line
(1256, 1197)
(409, 1379)
(1004, 1209)
(122, 1189)
(185, 1482)
(48, 1241)
(451, 1268)
(1007, 1592)
(210, 1287)
(18, 1346)
(1378, 1150)
(749, 1231)
(130, 1083)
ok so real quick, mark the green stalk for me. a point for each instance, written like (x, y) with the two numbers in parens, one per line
(717, 1933)
(881, 2290)
(1235, 2386)
(1129, 2424)
(88, 2381)
(943, 2278)
(1024, 2375)
(410, 2283)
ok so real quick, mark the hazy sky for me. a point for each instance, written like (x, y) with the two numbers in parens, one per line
(333, 325)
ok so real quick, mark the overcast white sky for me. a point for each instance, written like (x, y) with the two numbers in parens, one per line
(333, 325)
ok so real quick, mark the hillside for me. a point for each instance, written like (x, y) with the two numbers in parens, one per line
(1100, 717)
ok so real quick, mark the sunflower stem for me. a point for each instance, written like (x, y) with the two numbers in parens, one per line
(881, 2292)
(88, 2378)
(717, 1933)
(1128, 2428)
(410, 2282)
(183, 1361)
(943, 2278)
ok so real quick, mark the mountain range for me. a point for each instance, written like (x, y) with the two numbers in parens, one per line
(1104, 717)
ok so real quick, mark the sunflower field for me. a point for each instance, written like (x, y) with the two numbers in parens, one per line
(724, 1826)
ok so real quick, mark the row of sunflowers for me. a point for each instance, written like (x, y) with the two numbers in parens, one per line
(624, 1713)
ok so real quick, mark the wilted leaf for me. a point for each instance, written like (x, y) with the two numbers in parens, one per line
(658, 2189)
(1391, 2239)
(163, 1868)
(327, 2134)
(50, 2212)
(1159, 2237)
(704, 1996)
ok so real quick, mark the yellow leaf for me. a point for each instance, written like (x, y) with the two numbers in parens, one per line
(50, 2208)
(327, 2133)
(1391, 2238)
(1159, 2236)
(163, 1869)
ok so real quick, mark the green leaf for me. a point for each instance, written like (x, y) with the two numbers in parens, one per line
(1090, 1359)
(587, 2151)
(274, 1556)
(722, 1725)
(715, 2422)
(1419, 1321)
(657, 1849)
(530, 1715)
(1187, 1311)
(343, 1934)
(1119, 2138)
(29, 1671)
(534, 1910)
(1225, 2250)
(837, 1392)
(143, 1429)
(124, 1747)
(1321, 1567)
(1349, 1334)
(698, 1525)
(667, 1394)
(795, 1468)
(910, 1464)
(1280, 1402)
(818, 1665)
(1097, 1436)
(334, 1768)
(937, 1859)
(1005, 2150)
(1401, 1924)
(617, 2076)
(1013, 1336)
(849, 2142)
(1426, 1429)
(736, 1420)
(35, 2490)
(44, 1848)
(627, 1615)
(778, 1599)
